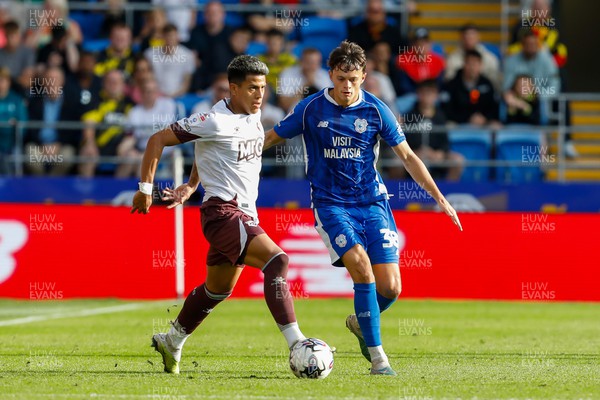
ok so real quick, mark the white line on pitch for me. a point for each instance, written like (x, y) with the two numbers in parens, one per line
(82, 313)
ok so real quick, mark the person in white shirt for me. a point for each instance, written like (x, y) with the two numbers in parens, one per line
(173, 64)
(228, 155)
(295, 83)
(155, 112)
(181, 13)
(470, 40)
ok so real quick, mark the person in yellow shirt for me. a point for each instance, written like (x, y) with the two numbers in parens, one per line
(276, 58)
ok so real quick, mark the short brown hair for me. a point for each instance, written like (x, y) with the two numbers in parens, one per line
(347, 57)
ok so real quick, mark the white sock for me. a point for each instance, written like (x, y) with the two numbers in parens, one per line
(292, 333)
(378, 357)
(176, 336)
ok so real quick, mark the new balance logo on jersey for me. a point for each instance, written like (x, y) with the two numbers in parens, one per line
(364, 314)
(323, 124)
(250, 149)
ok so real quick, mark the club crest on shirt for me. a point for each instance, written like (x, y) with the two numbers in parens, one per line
(360, 125)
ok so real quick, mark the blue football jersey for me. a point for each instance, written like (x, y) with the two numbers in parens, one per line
(342, 146)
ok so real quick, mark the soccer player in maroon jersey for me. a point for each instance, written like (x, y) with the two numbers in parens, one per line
(228, 148)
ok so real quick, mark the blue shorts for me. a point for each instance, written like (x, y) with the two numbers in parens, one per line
(372, 226)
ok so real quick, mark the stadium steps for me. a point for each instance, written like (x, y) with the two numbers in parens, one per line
(444, 19)
(587, 144)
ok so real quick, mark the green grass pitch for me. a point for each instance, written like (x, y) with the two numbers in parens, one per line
(441, 349)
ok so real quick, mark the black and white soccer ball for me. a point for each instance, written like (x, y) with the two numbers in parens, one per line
(311, 358)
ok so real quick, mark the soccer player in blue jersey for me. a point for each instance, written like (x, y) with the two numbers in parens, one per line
(341, 128)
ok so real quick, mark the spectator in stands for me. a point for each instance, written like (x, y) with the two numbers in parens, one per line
(173, 64)
(238, 41)
(430, 144)
(535, 61)
(219, 90)
(419, 63)
(210, 41)
(114, 14)
(12, 109)
(375, 29)
(17, 57)
(181, 13)
(55, 13)
(111, 114)
(543, 24)
(298, 81)
(270, 114)
(470, 40)
(142, 70)
(154, 113)
(118, 55)
(61, 52)
(276, 58)
(473, 99)
(523, 104)
(383, 83)
(151, 34)
(45, 147)
(81, 94)
(262, 22)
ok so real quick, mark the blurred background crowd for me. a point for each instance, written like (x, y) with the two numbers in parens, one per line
(93, 85)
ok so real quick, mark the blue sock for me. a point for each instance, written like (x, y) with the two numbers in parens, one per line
(367, 312)
(384, 302)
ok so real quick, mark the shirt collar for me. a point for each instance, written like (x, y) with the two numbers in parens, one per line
(331, 100)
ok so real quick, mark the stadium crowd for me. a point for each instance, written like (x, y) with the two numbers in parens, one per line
(129, 81)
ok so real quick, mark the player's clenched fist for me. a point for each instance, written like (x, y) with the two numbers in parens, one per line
(141, 203)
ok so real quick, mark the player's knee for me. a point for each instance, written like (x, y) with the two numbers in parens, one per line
(277, 264)
(392, 290)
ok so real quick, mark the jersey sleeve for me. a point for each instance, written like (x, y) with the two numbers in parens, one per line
(390, 131)
(196, 126)
(293, 123)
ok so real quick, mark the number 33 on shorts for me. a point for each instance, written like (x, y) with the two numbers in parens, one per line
(391, 239)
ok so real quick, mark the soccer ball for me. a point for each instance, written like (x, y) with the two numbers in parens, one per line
(311, 358)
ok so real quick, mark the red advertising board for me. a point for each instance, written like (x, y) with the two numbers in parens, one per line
(53, 252)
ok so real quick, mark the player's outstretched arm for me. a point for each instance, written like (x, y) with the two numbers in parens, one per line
(272, 139)
(183, 192)
(154, 149)
(421, 175)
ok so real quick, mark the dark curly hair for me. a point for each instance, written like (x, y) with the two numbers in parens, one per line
(347, 57)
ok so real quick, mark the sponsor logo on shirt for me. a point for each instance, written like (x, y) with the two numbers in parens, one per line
(323, 124)
(250, 149)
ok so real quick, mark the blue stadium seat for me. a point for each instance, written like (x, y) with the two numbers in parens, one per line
(256, 48)
(523, 144)
(189, 101)
(95, 45)
(405, 103)
(391, 21)
(90, 23)
(474, 144)
(325, 34)
(494, 49)
(232, 19)
(438, 49)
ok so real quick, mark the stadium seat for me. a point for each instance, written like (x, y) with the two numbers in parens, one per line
(256, 48)
(474, 144)
(404, 104)
(494, 49)
(189, 101)
(232, 19)
(90, 23)
(325, 34)
(95, 45)
(523, 144)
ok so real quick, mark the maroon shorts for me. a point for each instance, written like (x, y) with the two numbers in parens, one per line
(228, 230)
